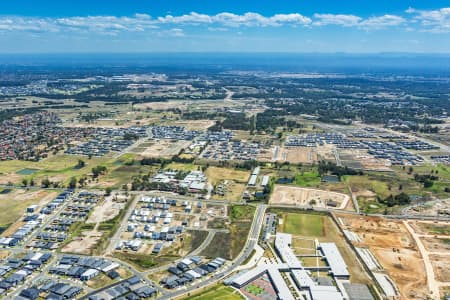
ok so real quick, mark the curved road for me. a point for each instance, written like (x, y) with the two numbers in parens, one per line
(252, 240)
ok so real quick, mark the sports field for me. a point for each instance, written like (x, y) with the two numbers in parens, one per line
(302, 224)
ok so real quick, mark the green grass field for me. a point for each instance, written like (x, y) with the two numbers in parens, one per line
(181, 167)
(217, 292)
(303, 224)
(242, 212)
(307, 179)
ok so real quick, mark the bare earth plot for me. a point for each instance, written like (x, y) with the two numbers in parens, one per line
(163, 105)
(106, 210)
(164, 148)
(296, 155)
(194, 124)
(395, 250)
(84, 243)
(289, 195)
(434, 243)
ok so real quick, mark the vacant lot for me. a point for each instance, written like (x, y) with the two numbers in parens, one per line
(56, 168)
(437, 244)
(144, 262)
(297, 155)
(395, 250)
(305, 197)
(229, 244)
(119, 174)
(431, 228)
(194, 124)
(236, 181)
(84, 243)
(106, 210)
(164, 148)
(217, 174)
(14, 203)
(441, 266)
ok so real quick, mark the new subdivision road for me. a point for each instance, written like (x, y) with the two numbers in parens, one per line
(250, 244)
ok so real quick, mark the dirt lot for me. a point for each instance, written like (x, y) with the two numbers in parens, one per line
(194, 124)
(326, 152)
(395, 250)
(436, 244)
(302, 196)
(163, 148)
(83, 244)
(297, 155)
(431, 228)
(265, 154)
(441, 267)
(106, 210)
(163, 105)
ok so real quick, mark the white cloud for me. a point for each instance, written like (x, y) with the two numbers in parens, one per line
(103, 24)
(331, 19)
(249, 19)
(381, 22)
(432, 20)
(27, 24)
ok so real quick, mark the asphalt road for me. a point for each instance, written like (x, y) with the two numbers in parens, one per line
(252, 240)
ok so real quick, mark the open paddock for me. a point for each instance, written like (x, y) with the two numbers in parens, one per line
(14, 204)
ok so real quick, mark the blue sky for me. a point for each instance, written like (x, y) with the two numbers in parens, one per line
(31, 26)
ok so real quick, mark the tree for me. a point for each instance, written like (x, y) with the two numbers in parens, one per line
(96, 171)
(45, 183)
(108, 191)
(81, 181)
(24, 182)
(73, 183)
(80, 164)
